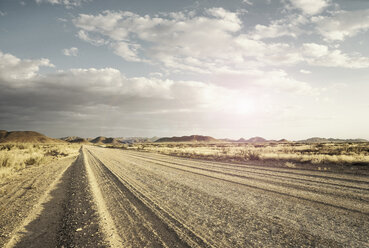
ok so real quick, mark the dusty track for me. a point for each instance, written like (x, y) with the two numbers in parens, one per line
(221, 204)
(117, 198)
(22, 195)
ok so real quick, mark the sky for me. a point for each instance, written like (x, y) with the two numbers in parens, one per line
(278, 69)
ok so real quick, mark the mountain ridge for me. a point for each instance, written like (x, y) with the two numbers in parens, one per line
(331, 140)
(191, 138)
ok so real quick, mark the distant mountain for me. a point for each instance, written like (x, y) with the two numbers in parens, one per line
(256, 140)
(25, 137)
(104, 140)
(192, 138)
(252, 140)
(227, 140)
(131, 140)
(74, 139)
(331, 140)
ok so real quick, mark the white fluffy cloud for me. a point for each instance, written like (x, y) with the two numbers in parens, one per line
(73, 51)
(208, 42)
(96, 41)
(288, 26)
(187, 42)
(342, 24)
(321, 55)
(310, 7)
(177, 40)
(127, 51)
(14, 69)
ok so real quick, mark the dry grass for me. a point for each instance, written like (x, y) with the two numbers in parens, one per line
(287, 154)
(14, 157)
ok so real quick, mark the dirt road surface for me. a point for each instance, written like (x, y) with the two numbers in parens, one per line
(117, 198)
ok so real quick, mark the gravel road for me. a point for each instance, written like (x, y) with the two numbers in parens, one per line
(119, 198)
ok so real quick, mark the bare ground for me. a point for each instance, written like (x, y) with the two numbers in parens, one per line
(117, 198)
(22, 194)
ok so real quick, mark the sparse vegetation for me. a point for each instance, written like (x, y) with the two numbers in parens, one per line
(285, 154)
(14, 157)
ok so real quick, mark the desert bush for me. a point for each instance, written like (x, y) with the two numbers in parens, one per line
(5, 161)
(290, 165)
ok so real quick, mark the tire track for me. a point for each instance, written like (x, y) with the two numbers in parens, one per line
(300, 181)
(361, 180)
(330, 199)
(22, 195)
(218, 209)
(167, 230)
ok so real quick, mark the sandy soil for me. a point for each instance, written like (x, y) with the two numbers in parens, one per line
(117, 198)
(22, 196)
(228, 205)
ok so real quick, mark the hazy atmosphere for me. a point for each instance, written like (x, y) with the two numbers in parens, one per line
(225, 68)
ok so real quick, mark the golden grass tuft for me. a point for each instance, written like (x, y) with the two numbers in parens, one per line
(14, 157)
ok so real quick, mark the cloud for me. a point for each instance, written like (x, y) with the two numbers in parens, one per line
(272, 81)
(3, 13)
(206, 42)
(289, 26)
(321, 55)
(96, 41)
(342, 24)
(85, 97)
(310, 7)
(247, 2)
(280, 80)
(176, 40)
(66, 3)
(315, 50)
(267, 53)
(24, 86)
(14, 70)
(127, 51)
(303, 71)
(73, 51)
(61, 19)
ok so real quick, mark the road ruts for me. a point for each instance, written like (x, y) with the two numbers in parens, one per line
(162, 201)
(139, 221)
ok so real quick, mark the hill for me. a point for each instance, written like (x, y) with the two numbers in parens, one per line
(132, 140)
(331, 140)
(256, 140)
(74, 139)
(192, 138)
(25, 137)
(104, 140)
(253, 140)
